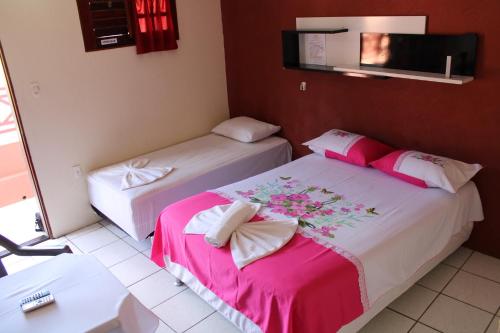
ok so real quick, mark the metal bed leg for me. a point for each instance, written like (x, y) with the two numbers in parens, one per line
(178, 283)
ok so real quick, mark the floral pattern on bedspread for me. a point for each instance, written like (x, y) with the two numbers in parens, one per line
(320, 211)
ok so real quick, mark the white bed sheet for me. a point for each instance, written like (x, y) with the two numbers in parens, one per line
(199, 164)
(413, 226)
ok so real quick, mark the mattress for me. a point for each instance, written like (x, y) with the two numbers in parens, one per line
(389, 230)
(199, 164)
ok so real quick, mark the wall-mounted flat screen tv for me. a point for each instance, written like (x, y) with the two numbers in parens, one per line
(423, 53)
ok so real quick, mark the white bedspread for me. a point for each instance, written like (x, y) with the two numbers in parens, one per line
(199, 164)
(406, 225)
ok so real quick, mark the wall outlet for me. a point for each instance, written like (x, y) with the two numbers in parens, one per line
(35, 89)
(303, 86)
(77, 171)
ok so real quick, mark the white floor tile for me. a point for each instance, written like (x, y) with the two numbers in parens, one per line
(114, 253)
(147, 253)
(459, 257)
(83, 231)
(216, 323)
(155, 289)
(116, 230)
(94, 240)
(475, 290)
(438, 277)
(420, 328)
(414, 302)
(483, 265)
(134, 269)
(183, 310)
(494, 326)
(388, 321)
(163, 328)
(140, 246)
(451, 316)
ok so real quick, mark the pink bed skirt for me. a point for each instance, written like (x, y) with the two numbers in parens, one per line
(304, 287)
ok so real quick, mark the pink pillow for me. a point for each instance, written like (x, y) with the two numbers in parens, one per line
(348, 147)
(426, 170)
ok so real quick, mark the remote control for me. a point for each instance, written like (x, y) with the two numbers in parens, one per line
(38, 303)
(35, 296)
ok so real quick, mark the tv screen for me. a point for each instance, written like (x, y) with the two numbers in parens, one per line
(424, 53)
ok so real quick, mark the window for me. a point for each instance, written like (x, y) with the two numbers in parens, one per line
(110, 23)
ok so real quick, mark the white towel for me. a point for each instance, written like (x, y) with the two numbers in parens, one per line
(238, 213)
(137, 174)
(256, 240)
(249, 241)
(202, 222)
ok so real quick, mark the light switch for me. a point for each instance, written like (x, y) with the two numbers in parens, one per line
(303, 86)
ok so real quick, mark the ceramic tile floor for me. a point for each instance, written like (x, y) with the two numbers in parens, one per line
(461, 295)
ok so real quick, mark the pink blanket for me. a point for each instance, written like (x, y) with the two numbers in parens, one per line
(304, 287)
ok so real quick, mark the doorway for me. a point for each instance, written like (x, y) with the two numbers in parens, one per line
(22, 215)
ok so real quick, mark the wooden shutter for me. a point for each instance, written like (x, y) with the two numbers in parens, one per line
(106, 23)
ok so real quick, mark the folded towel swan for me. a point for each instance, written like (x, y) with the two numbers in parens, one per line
(137, 173)
(249, 241)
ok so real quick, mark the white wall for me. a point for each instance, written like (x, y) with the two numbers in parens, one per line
(106, 106)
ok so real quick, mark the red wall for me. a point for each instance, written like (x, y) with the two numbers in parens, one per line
(461, 122)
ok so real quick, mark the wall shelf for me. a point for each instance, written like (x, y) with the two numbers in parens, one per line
(309, 67)
(291, 48)
(333, 31)
(379, 47)
(403, 74)
(385, 73)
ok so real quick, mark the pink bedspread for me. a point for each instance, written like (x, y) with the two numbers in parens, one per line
(304, 287)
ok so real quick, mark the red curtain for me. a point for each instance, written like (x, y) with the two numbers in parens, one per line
(155, 29)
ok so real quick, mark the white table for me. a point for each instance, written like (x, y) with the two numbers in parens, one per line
(88, 299)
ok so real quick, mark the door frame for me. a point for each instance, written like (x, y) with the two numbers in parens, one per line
(22, 134)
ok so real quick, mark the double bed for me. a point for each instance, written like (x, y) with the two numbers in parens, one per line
(363, 239)
(199, 164)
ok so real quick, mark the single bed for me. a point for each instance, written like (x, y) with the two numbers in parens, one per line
(364, 239)
(199, 164)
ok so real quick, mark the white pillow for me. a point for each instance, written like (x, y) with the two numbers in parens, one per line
(245, 129)
(426, 170)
